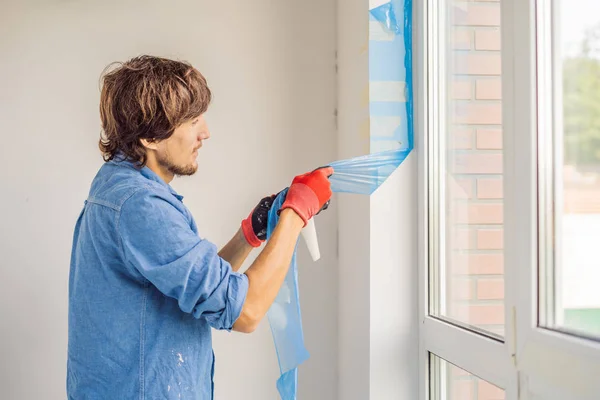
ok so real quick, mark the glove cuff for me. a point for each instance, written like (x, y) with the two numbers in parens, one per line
(249, 234)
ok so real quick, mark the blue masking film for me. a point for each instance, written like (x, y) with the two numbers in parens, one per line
(386, 15)
(390, 66)
(286, 321)
(364, 174)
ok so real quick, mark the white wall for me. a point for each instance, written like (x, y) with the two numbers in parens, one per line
(354, 210)
(271, 68)
(378, 296)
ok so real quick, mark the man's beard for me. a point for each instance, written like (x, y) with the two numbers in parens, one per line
(177, 170)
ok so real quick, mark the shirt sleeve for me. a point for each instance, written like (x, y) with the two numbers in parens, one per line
(157, 240)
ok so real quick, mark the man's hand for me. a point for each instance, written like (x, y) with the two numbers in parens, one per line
(255, 225)
(309, 193)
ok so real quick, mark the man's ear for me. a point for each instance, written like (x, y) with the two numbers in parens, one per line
(149, 144)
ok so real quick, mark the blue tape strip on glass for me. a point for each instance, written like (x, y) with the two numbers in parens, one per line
(360, 175)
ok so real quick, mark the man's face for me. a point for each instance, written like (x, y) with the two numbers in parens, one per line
(178, 153)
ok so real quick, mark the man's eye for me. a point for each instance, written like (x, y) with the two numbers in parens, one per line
(194, 122)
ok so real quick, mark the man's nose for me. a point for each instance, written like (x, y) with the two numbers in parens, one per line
(204, 134)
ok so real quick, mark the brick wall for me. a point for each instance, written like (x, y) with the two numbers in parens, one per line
(474, 205)
(465, 386)
(474, 209)
(461, 385)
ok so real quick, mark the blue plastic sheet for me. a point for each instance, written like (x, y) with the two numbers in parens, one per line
(390, 76)
(286, 321)
(364, 174)
(359, 175)
(386, 15)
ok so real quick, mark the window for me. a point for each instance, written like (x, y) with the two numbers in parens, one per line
(450, 382)
(551, 171)
(466, 201)
(570, 299)
(509, 128)
(463, 277)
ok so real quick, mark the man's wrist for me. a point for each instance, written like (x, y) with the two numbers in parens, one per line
(288, 214)
(241, 236)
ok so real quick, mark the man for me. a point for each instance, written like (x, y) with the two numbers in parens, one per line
(144, 288)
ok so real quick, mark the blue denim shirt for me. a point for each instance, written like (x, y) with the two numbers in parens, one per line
(144, 292)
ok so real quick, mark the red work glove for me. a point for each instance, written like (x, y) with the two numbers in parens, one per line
(309, 193)
(254, 226)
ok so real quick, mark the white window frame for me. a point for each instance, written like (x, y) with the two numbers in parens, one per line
(482, 356)
(531, 362)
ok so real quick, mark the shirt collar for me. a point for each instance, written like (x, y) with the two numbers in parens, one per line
(146, 173)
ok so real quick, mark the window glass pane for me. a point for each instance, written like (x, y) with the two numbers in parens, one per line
(467, 260)
(576, 280)
(449, 382)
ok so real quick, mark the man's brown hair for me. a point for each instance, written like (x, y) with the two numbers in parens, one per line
(147, 98)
